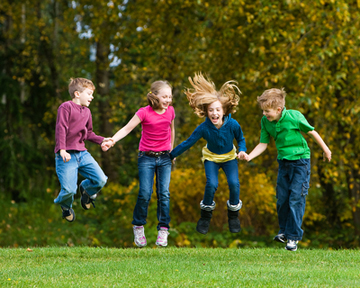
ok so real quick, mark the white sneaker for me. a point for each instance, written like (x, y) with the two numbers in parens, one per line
(139, 236)
(162, 237)
(291, 245)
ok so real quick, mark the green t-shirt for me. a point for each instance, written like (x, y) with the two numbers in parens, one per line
(290, 143)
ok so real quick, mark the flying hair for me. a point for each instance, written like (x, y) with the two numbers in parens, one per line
(204, 93)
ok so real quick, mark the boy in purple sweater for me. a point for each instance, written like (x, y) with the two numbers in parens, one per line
(73, 127)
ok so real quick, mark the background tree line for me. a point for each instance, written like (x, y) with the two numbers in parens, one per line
(310, 48)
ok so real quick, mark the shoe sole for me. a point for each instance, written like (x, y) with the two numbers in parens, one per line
(83, 204)
(235, 231)
(73, 214)
(160, 245)
(277, 239)
(201, 231)
(291, 249)
(140, 246)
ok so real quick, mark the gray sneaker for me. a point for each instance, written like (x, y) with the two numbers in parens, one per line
(280, 238)
(139, 236)
(291, 245)
(162, 237)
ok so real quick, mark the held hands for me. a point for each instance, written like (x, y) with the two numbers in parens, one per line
(107, 144)
(243, 156)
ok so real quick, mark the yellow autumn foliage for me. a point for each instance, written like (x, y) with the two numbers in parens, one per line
(256, 192)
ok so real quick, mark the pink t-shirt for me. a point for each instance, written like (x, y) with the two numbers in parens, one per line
(156, 129)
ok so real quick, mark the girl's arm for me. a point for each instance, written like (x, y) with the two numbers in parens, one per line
(121, 133)
(172, 126)
(321, 143)
(185, 145)
(260, 148)
(126, 129)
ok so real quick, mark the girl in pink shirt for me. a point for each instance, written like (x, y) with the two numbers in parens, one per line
(157, 140)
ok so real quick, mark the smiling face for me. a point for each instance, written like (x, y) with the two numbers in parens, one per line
(272, 114)
(165, 99)
(215, 113)
(84, 98)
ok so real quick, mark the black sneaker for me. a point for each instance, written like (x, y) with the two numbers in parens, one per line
(86, 201)
(280, 238)
(68, 214)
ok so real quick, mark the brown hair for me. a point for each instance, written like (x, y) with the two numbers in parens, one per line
(155, 88)
(272, 98)
(204, 93)
(79, 84)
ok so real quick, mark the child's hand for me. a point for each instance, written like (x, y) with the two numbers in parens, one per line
(243, 156)
(327, 155)
(65, 155)
(173, 161)
(107, 144)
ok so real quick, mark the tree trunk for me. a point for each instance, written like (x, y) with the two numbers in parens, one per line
(103, 89)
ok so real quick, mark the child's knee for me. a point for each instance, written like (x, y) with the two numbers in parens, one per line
(102, 181)
(212, 185)
(234, 186)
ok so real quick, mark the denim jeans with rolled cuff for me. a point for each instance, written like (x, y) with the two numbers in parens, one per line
(148, 166)
(81, 162)
(232, 174)
(291, 190)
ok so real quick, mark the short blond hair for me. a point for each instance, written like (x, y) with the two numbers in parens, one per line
(155, 88)
(79, 84)
(204, 93)
(272, 98)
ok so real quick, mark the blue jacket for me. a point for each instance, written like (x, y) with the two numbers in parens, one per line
(219, 141)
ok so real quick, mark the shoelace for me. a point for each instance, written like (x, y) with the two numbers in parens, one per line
(162, 234)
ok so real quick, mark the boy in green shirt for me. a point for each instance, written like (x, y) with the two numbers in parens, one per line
(285, 126)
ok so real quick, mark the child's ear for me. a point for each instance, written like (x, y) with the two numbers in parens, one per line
(76, 93)
(279, 109)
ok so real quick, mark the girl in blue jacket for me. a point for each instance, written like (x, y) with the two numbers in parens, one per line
(219, 130)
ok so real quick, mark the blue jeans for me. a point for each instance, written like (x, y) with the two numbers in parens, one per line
(291, 190)
(148, 167)
(212, 171)
(85, 164)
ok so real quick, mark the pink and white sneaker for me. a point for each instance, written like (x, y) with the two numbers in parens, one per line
(162, 237)
(139, 236)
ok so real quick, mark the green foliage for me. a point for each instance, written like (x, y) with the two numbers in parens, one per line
(311, 50)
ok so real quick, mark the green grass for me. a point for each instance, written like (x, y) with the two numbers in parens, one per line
(178, 267)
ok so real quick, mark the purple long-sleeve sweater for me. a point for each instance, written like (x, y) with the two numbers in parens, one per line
(73, 127)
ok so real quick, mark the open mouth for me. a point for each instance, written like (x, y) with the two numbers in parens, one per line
(215, 118)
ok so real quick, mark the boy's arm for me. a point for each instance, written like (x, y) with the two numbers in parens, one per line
(260, 148)
(91, 136)
(321, 143)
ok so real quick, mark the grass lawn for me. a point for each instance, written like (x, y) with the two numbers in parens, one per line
(178, 267)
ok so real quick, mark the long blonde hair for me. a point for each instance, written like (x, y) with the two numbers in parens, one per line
(204, 93)
(155, 88)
